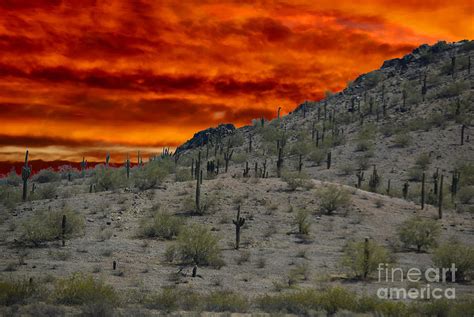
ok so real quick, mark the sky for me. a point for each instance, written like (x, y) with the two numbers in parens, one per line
(85, 77)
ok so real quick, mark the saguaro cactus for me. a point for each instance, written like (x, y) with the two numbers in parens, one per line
(107, 159)
(440, 198)
(374, 180)
(329, 160)
(83, 166)
(366, 264)
(127, 166)
(198, 194)
(63, 230)
(405, 190)
(227, 158)
(279, 161)
(463, 127)
(360, 178)
(423, 191)
(300, 163)
(424, 88)
(238, 222)
(279, 109)
(25, 175)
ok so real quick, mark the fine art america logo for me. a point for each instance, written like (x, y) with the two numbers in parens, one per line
(387, 274)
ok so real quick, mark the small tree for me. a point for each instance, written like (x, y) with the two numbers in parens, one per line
(363, 257)
(196, 245)
(459, 254)
(333, 197)
(419, 233)
(302, 220)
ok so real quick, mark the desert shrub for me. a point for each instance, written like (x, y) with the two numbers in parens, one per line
(13, 179)
(355, 258)
(153, 173)
(363, 162)
(363, 145)
(80, 289)
(453, 89)
(419, 233)
(347, 169)
(417, 123)
(436, 120)
(9, 196)
(305, 302)
(460, 254)
(45, 191)
(296, 180)
(46, 226)
(16, 291)
(161, 225)
(299, 303)
(415, 174)
(302, 221)
(466, 194)
(46, 176)
(272, 134)
(225, 301)
(301, 147)
(388, 129)
(402, 139)
(236, 140)
(107, 178)
(317, 156)
(423, 161)
(197, 245)
(239, 157)
(337, 298)
(372, 79)
(172, 299)
(333, 197)
(467, 174)
(183, 175)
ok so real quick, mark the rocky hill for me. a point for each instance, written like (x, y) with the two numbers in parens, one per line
(289, 216)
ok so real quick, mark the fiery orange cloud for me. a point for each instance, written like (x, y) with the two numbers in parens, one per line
(80, 76)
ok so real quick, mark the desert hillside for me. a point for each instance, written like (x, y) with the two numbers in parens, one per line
(288, 216)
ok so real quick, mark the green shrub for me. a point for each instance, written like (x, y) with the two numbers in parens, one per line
(347, 169)
(467, 174)
(317, 156)
(197, 245)
(16, 292)
(225, 301)
(415, 174)
(419, 233)
(47, 226)
(402, 139)
(183, 175)
(239, 157)
(354, 258)
(333, 197)
(302, 221)
(161, 225)
(460, 254)
(80, 289)
(9, 196)
(152, 173)
(363, 145)
(423, 161)
(172, 299)
(45, 191)
(453, 89)
(13, 179)
(296, 180)
(301, 147)
(466, 194)
(108, 178)
(337, 298)
(46, 176)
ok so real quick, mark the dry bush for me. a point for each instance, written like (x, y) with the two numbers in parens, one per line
(419, 233)
(460, 254)
(333, 197)
(46, 226)
(80, 289)
(161, 225)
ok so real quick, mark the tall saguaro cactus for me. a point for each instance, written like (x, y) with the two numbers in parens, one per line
(83, 166)
(127, 166)
(25, 175)
(440, 198)
(239, 223)
(423, 191)
(63, 230)
(107, 160)
(198, 193)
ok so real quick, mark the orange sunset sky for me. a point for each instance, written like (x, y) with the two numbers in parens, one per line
(83, 77)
